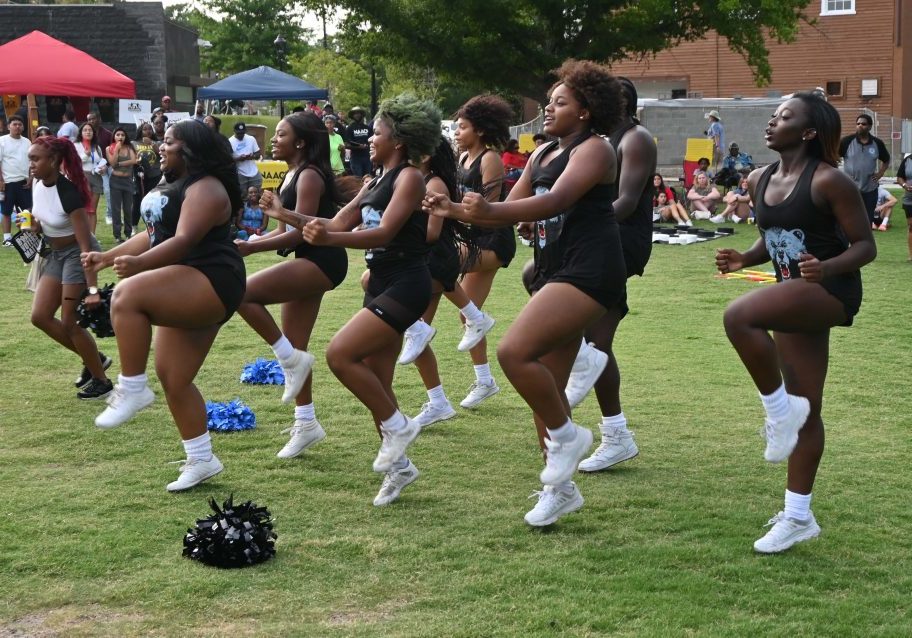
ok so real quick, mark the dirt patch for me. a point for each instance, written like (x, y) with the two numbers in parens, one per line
(90, 620)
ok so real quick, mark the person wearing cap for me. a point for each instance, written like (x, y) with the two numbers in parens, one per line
(734, 165)
(43, 131)
(336, 145)
(357, 137)
(15, 176)
(716, 132)
(246, 151)
(166, 104)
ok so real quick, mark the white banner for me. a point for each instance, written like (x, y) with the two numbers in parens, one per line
(130, 109)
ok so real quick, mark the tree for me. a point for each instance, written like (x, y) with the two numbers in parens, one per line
(513, 44)
(347, 82)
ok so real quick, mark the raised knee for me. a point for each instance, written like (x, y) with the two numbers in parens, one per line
(335, 357)
(509, 354)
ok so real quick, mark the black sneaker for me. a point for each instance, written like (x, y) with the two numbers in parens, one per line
(96, 389)
(86, 376)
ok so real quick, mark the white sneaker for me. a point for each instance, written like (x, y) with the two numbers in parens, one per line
(195, 471)
(736, 219)
(431, 414)
(617, 446)
(303, 435)
(109, 220)
(781, 438)
(563, 458)
(587, 368)
(394, 445)
(296, 374)
(700, 215)
(417, 338)
(123, 406)
(475, 332)
(718, 219)
(478, 393)
(785, 533)
(394, 482)
(552, 504)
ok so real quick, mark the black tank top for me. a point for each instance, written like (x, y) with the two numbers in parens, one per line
(546, 244)
(325, 209)
(636, 229)
(797, 225)
(161, 210)
(469, 180)
(410, 243)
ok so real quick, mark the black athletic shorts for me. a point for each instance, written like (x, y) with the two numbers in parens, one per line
(443, 262)
(399, 294)
(907, 209)
(502, 241)
(332, 261)
(229, 285)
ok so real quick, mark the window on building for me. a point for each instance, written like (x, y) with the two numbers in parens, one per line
(835, 88)
(837, 7)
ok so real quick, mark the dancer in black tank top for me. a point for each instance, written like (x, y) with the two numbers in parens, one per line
(636, 153)
(538, 349)
(393, 233)
(482, 123)
(186, 277)
(814, 228)
(298, 284)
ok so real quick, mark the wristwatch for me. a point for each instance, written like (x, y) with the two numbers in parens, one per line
(93, 290)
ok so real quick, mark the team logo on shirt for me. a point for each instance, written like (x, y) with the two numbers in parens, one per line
(370, 217)
(151, 208)
(784, 247)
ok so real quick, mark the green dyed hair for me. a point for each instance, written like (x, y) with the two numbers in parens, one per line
(414, 122)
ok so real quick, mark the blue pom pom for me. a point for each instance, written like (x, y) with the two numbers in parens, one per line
(231, 416)
(263, 371)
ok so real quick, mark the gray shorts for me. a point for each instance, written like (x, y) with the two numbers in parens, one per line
(96, 183)
(65, 264)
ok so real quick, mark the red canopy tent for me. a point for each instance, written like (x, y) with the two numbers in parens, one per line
(37, 63)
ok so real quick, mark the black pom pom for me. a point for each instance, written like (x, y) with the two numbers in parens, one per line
(235, 536)
(97, 319)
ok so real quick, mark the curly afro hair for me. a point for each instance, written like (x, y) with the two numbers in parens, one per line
(414, 122)
(597, 90)
(490, 116)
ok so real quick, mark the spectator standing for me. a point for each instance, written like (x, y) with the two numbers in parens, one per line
(357, 136)
(122, 157)
(69, 129)
(166, 104)
(93, 164)
(904, 179)
(148, 170)
(15, 180)
(105, 138)
(860, 153)
(200, 114)
(336, 144)
(246, 151)
(716, 132)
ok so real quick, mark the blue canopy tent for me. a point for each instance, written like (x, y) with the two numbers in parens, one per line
(262, 83)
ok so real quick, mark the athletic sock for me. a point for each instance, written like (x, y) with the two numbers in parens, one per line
(7, 236)
(133, 384)
(305, 412)
(776, 404)
(399, 464)
(563, 434)
(395, 423)
(564, 488)
(617, 422)
(283, 349)
(199, 448)
(797, 506)
(437, 397)
(483, 374)
(472, 313)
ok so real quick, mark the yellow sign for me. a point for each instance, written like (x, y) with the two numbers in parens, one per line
(273, 173)
(11, 105)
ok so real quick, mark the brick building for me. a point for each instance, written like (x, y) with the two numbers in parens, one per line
(135, 38)
(859, 51)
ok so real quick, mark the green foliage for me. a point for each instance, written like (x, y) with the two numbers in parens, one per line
(514, 44)
(348, 83)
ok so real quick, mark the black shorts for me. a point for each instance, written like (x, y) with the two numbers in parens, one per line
(332, 261)
(593, 262)
(502, 241)
(229, 284)
(847, 289)
(870, 201)
(399, 294)
(907, 209)
(443, 262)
(637, 244)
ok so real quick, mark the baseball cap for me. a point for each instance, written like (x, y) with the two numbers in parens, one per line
(240, 127)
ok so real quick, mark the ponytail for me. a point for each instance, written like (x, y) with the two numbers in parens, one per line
(69, 163)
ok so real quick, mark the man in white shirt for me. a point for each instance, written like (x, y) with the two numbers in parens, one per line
(69, 129)
(15, 181)
(246, 151)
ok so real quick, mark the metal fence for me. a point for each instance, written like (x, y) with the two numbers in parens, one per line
(532, 126)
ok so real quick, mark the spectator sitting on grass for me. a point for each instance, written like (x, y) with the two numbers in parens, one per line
(885, 204)
(737, 204)
(703, 197)
(669, 211)
(733, 166)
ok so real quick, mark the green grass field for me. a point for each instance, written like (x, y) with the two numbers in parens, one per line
(90, 541)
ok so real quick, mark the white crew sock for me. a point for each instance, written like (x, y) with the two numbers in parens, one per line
(564, 488)
(472, 313)
(399, 464)
(283, 349)
(395, 423)
(617, 422)
(797, 506)
(134, 384)
(438, 397)
(199, 448)
(7, 236)
(776, 404)
(483, 374)
(305, 412)
(563, 434)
